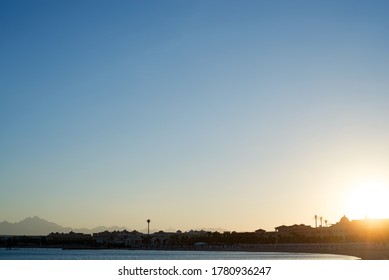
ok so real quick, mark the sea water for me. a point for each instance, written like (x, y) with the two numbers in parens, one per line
(59, 254)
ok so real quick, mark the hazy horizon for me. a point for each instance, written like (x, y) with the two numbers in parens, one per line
(218, 114)
(40, 226)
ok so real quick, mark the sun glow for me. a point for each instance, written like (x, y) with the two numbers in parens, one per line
(369, 200)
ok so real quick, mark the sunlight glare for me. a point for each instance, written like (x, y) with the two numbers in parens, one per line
(369, 200)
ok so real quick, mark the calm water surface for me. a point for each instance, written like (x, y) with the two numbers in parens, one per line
(59, 254)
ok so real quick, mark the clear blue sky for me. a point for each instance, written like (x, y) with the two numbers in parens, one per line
(195, 114)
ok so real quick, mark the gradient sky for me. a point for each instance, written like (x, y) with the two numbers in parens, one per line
(195, 114)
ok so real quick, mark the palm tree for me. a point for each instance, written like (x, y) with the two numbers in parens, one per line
(148, 226)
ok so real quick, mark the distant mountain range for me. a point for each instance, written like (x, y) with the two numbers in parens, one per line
(39, 226)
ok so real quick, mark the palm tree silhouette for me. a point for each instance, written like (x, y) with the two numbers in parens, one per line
(148, 226)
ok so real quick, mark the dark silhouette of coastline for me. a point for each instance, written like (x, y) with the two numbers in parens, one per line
(366, 239)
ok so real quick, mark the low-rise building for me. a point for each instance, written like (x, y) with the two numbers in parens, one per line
(71, 237)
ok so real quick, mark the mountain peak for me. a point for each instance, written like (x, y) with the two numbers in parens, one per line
(31, 226)
(34, 218)
(38, 226)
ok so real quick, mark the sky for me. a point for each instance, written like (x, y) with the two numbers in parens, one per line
(234, 115)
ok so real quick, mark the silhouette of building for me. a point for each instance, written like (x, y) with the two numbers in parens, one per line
(342, 231)
(71, 237)
(119, 238)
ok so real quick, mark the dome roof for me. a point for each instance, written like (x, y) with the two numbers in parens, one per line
(344, 219)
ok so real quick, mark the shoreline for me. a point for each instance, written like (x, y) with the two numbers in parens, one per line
(364, 251)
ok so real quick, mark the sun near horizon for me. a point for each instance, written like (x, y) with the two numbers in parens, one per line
(368, 200)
